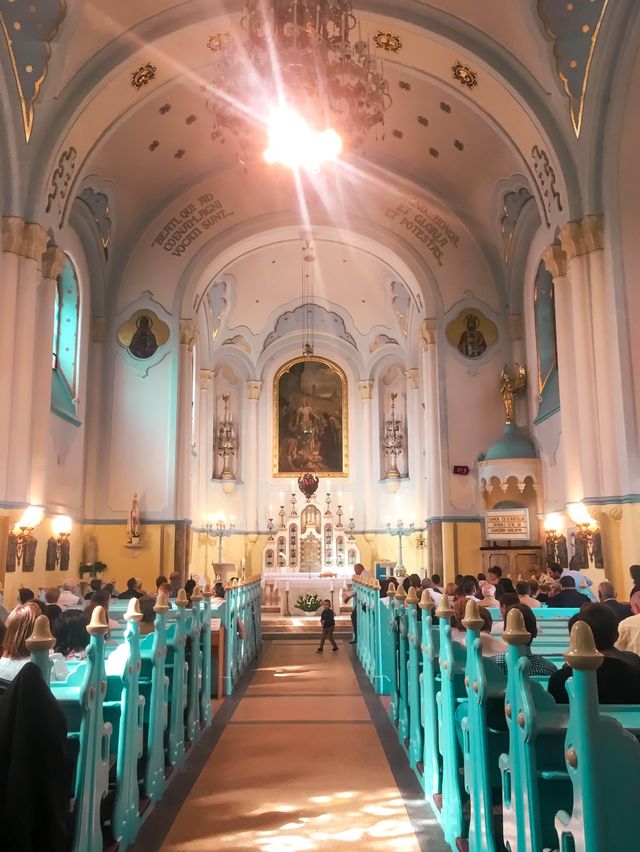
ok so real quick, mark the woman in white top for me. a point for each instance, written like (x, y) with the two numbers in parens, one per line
(15, 653)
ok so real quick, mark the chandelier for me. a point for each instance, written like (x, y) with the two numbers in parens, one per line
(298, 55)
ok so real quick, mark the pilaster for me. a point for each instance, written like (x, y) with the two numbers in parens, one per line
(252, 479)
(366, 388)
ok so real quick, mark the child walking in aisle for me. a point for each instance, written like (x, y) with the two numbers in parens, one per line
(327, 622)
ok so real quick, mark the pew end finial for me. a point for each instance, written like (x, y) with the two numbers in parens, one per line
(41, 638)
(98, 625)
(162, 603)
(583, 654)
(472, 619)
(444, 608)
(515, 632)
(196, 595)
(426, 601)
(181, 598)
(401, 595)
(133, 612)
(412, 597)
(206, 592)
(391, 590)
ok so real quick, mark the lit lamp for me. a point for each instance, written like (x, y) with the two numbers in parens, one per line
(555, 540)
(58, 545)
(22, 538)
(219, 528)
(587, 545)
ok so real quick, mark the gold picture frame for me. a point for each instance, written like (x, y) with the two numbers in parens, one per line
(306, 421)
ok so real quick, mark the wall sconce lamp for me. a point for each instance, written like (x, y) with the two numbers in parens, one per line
(24, 540)
(556, 542)
(587, 543)
(58, 545)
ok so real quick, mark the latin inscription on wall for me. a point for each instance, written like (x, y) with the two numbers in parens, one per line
(429, 229)
(182, 231)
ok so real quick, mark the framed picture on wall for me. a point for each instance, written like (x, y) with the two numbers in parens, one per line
(310, 419)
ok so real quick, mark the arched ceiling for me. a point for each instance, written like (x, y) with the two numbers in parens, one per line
(463, 147)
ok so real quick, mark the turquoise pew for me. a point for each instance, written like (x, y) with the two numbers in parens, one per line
(374, 644)
(92, 766)
(205, 641)
(157, 704)
(534, 779)
(415, 746)
(128, 722)
(430, 645)
(452, 663)
(176, 666)
(484, 682)
(602, 760)
(193, 689)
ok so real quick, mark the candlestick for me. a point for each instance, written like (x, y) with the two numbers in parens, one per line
(327, 500)
(293, 513)
(339, 513)
(282, 516)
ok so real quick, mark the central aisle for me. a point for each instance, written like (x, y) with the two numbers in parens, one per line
(300, 766)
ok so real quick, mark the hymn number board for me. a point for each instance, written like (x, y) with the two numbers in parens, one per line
(507, 525)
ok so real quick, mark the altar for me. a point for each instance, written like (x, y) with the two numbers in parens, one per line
(297, 583)
(310, 542)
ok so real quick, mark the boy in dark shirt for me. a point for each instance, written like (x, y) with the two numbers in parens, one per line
(327, 622)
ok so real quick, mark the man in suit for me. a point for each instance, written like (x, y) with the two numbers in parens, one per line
(607, 596)
(568, 596)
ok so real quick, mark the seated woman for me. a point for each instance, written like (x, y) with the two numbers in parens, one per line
(491, 645)
(100, 598)
(189, 586)
(15, 653)
(71, 634)
(538, 665)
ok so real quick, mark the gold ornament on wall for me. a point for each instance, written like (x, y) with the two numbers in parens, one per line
(510, 387)
(464, 75)
(387, 41)
(143, 75)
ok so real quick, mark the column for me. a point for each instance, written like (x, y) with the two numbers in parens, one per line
(252, 478)
(435, 503)
(205, 441)
(26, 342)
(414, 438)
(366, 395)
(95, 419)
(53, 261)
(515, 330)
(555, 261)
(188, 337)
(12, 234)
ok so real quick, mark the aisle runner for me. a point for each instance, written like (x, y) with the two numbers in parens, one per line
(300, 767)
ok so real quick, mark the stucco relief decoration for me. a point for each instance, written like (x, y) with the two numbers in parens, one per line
(464, 75)
(143, 75)
(216, 303)
(574, 28)
(98, 204)
(401, 303)
(60, 181)
(218, 41)
(387, 41)
(513, 203)
(323, 320)
(472, 333)
(29, 28)
(143, 334)
(240, 341)
(546, 178)
(381, 340)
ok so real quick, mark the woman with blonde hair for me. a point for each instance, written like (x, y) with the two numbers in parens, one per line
(15, 653)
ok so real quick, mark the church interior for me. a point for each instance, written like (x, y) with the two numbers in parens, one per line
(292, 288)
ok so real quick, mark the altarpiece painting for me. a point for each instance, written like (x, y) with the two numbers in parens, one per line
(310, 419)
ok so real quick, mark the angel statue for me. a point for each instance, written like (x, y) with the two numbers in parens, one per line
(510, 387)
(133, 525)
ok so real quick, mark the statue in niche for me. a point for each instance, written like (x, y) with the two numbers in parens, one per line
(90, 550)
(510, 387)
(472, 343)
(133, 524)
(143, 342)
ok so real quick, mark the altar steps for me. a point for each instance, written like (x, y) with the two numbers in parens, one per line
(284, 627)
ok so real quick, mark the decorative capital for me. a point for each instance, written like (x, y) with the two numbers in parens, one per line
(254, 387)
(26, 239)
(53, 261)
(583, 237)
(188, 332)
(99, 326)
(412, 375)
(515, 327)
(206, 377)
(555, 259)
(366, 389)
(429, 332)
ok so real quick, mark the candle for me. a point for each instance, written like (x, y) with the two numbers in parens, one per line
(270, 515)
(282, 498)
(351, 510)
(331, 587)
(286, 588)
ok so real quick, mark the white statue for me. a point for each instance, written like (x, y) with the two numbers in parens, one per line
(133, 525)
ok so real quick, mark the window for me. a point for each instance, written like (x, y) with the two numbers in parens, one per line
(65, 345)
